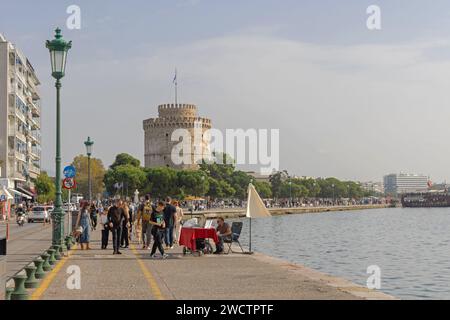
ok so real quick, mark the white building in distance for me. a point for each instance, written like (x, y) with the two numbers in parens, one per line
(20, 122)
(396, 184)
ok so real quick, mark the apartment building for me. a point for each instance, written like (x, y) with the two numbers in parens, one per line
(397, 184)
(20, 122)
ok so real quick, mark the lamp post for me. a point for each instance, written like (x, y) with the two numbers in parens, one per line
(58, 48)
(89, 144)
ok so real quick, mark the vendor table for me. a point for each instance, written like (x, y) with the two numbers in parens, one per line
(189, 236)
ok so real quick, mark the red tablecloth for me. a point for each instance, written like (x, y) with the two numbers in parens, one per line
(189, 235)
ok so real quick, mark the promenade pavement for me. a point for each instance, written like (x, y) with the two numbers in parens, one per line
(135, 276)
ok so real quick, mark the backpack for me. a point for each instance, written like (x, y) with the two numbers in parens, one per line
(147, 212)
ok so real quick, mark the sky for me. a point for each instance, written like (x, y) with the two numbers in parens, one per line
(349, 102)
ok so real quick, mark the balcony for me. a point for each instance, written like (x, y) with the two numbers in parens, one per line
(17, 155)
(34, 169)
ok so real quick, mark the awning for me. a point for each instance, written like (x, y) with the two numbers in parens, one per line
(20, 194)
(31, 194)
(4, 191)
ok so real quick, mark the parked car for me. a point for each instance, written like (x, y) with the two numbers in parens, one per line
(39, 213)
(69, 207)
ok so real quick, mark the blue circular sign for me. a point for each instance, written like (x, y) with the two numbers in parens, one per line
(2, 198)
(69, 171)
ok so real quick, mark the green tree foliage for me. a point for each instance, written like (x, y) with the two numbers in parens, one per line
(97, 175)
(194, 183)
(132, 178)
(263, 189)
(45, 187)
(125, 159)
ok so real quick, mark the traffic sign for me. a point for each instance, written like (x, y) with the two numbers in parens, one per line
(69, 183)
(2, 198)
(69, 172)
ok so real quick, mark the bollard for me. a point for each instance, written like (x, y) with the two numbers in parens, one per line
(46, 265)
(8, 292)
(19, 292)
(31, 281)
(40, 273)
(57, 254)
(51, 259)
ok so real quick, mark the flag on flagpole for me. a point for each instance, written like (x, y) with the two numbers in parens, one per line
(175, 78)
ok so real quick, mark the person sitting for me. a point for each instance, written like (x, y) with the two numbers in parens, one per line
(223, 232)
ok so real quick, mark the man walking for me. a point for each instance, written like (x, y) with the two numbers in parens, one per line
(143, 217)
(116, 217)
(169, 219)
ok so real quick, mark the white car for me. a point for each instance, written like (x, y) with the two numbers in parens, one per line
(39, 213)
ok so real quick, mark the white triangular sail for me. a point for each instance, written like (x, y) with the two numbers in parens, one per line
(255, 205)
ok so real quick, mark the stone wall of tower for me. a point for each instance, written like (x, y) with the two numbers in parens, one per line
(158, 133)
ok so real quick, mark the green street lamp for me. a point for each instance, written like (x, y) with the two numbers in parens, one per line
(89, 145)
(58, 48)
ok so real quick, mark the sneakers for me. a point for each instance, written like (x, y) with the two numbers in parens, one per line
(171, 247)
(165, 256)
(152, 256)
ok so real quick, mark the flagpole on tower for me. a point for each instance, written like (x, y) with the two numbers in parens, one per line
(175, 81)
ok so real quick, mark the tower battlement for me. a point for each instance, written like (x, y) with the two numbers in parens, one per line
(158, 133)
(177, 110)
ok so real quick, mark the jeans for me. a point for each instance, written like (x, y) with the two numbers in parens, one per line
(158, 235)
(117, 233)
(168, 239)
(219, 246)
(124, 237)
(105, 238)
(146, 233)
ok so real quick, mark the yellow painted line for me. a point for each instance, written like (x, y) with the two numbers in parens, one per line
(148, 276)
(37, 294)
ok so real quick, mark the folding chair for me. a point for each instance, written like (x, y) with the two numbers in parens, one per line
(236, 229)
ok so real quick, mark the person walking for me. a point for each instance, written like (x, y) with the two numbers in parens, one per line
(178, 218)
(84, 221)
(158, 229)
(93, 213)
(169, 219)
(116, 216)
(104, 227)
(124, 238)
(142, 220)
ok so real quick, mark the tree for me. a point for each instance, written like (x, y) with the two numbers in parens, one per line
(263, 188)
(97, 175)
(194, 183)
(132, 178)
(161, 182)
(276, 182)
(45, 187)
(125, 159)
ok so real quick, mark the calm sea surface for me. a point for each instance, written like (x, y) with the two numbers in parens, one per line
(411, 246)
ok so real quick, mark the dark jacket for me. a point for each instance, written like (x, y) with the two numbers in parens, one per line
(169, 215)
(117, 216)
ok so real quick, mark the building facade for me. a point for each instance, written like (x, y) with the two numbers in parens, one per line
(397, 184)
(162, 151)
(20, 121)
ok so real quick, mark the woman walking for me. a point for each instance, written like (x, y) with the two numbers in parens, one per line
(84, 221)
(93, 216)
(178, 217)
(104, 227)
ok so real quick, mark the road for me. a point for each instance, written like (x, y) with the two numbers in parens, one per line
(25, 243)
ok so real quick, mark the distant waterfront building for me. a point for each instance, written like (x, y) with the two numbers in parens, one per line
(396, 184)
(20, 124)
(371, 186)
(158, 142)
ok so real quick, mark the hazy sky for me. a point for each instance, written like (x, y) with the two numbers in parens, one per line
(349, 102)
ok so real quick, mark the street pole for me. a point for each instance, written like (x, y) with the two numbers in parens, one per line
(89, 179)
(58, 48)
(58, 214)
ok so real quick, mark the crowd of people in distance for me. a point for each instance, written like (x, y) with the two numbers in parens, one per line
(154, 225)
